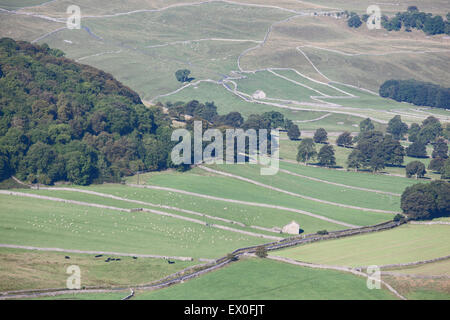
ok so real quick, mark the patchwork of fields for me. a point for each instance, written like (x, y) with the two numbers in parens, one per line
(304, 63)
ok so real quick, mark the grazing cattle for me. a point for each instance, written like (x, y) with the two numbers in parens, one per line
(134, 258)
(171, 262)
(67, 257)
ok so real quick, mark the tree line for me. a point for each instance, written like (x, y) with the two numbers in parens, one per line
(64, 121)
(413, 18)
(416, 92)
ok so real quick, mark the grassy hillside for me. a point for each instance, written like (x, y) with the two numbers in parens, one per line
(24, 269)
(43, 223)
(265, 279)
(408, 243)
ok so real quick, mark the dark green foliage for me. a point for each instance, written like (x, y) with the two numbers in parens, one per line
(232, 119)
(440, 149)
(446, 170)
(375, 151)
(326, 156)
(437, 165)
(417, 150)
(182, 75)
(5, 169)
(306, 150)
(261, 252)
(60, 120)
(416, 92)
(366, 125)
(394, 24)
(355, 160)
(275, 118)
(397, 128)
(415, 168)
(320, 136)
(392, 151)
(414, 19)
(294, 132)
(354, 21)
(398, 217)
(345, 139)
(427, 201)
(413, 132)
(431, 129)
(434, 25)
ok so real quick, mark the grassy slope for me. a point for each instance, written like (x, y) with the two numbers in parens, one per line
(265, 279)
(288, 150)
(77, 196)
(48, 224)
(248, 215)
(24, 269)
(430, 269)
(239, 190)
(315, 189)
(404, 244)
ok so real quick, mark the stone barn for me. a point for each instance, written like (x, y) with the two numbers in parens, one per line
(291, 228)
(259, 94)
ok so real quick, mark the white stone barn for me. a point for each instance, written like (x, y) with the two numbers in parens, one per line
(291, 228)
(259, 94)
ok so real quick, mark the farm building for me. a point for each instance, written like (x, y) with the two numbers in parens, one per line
(259, 94)
(291, 228)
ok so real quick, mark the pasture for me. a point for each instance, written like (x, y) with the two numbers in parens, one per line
(43, 223)
(260, 279)
(315, 189)
(246, 214)
(408, 243)
(24, 269)
(226, 187)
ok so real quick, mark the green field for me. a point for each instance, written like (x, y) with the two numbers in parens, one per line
(407, 243)
(225, 187)
(16, 4)
(42, 223)
(24, 269)
(258, 279)
(289, 149)
(211, 210)
(429, 269)
(314, 189)
(246, 214)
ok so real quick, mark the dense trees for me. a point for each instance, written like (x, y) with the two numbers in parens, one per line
(326, 156)
(440, 149)
(415, 19)
(374, 151)
(354, 21)
(416, 92)
(345, 139)
(437, 165)
(320, 136)
(60, 120)
(182, 75)
(306, 150)
(294, 132)
(397, 128)
(415, 168)
(417, 149)
(426, 201)
(366, 125)
(446, 170)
